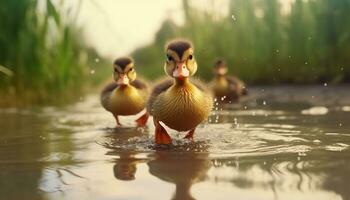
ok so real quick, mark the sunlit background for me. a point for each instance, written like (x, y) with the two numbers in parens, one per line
(51, 46)
(287, 139)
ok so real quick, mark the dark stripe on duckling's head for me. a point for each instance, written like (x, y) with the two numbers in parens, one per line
(122, 62)
(220, 63)
(179, 46)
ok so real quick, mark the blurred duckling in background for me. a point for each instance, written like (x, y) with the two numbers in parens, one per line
(180, 103)
(226, 88)
(126, 95)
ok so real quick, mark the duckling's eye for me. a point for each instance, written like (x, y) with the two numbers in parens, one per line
(190, 57)
(131, 69)
(169, 58)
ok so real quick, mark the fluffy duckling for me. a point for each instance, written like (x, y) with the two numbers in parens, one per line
(126, 95)
(180, 103)
(226, 88)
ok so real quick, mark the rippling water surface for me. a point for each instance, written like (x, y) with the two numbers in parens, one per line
(279, 143)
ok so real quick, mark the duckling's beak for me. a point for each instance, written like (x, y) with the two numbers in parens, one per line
(123, 79)
(181, 71)
(221, 71)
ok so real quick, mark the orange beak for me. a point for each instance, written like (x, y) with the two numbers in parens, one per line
(181, 71)
(123, 79)
(221, 71)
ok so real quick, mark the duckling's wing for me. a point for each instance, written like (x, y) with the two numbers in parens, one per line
(109, 88)
(106, 93)
(162, 87)
(237, 84)
(139, 84)
(200, 85)
(157, 90)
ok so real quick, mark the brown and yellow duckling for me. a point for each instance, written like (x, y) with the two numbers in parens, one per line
(126, 95)
(180, 103)
(226, 88)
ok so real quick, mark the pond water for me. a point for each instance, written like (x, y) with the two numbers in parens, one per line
(278, 143)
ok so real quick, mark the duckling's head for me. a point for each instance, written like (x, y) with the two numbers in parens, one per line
(124, 72)
(180, 63)
(220, 67)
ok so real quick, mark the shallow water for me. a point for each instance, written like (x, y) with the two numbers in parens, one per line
(279, 143)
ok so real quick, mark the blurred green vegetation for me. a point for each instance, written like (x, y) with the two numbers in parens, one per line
(43, 58)
(310, 43)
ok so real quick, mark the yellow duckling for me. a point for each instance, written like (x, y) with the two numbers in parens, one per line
(226, 88)
(180, 103)
(126, 95)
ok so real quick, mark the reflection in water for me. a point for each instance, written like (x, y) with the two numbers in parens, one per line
(252, 150)
(182, 169)
(125, 168)
(126, 165)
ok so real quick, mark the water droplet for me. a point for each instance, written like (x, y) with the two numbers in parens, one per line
(305, 63)
(340, 124)
(235, 122)
(277, 51)
(264, 103)
(92, 71)
(97, 60)
(233, 17)
(325, 84)
(342, 69)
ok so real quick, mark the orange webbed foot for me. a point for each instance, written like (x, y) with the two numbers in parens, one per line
(161, 135)
(190, 134)
(141, 121)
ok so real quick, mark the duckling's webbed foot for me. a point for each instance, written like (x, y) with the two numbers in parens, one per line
(141, 121)
(161, 135)
(190, 134)
(117, 120)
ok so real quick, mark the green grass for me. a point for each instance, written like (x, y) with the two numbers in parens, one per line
(43, 59)
(310, 44)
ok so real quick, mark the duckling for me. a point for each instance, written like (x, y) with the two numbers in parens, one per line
(226, 88)
(180, 103)
(126, 95)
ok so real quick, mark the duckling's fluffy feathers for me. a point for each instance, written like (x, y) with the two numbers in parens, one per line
(128, 100)
(238, 84)
(180, 107)
(165, 84)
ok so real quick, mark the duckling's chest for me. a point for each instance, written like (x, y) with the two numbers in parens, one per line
(221, 87)
(183, 108)
(126, 101)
